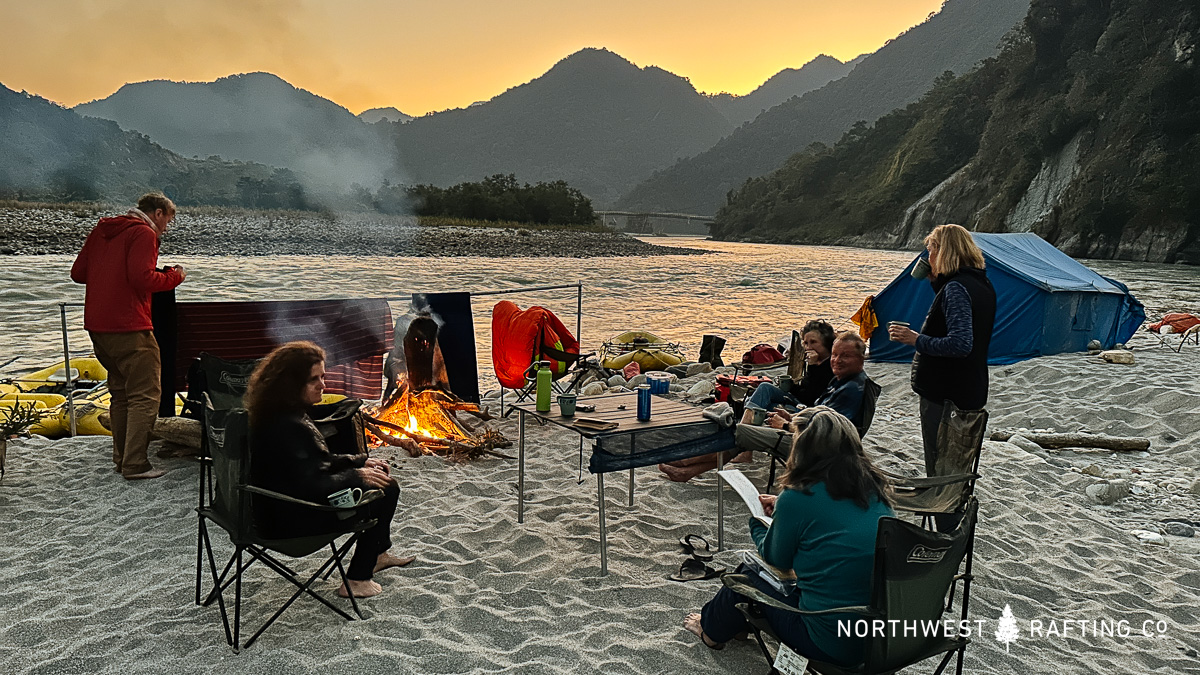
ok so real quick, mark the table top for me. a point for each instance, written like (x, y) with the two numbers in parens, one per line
(664, 413)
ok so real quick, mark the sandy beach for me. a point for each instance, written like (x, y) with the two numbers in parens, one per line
(98, 572)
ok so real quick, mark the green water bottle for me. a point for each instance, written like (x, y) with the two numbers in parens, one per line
(543, 386)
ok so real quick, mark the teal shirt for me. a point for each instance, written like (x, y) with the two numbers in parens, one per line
(830, 544)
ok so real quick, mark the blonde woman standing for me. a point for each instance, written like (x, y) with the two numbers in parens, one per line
(952, 347)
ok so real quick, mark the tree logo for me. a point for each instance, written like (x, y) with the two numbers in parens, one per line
(1006, 631)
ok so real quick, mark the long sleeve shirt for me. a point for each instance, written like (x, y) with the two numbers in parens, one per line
(959, 334)
(830, 544)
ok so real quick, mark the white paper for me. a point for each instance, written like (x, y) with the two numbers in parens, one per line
(789, 662)
(746, 490)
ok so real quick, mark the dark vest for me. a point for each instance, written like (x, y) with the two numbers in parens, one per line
(962, 380)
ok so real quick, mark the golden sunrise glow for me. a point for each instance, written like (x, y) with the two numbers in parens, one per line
(423, 56)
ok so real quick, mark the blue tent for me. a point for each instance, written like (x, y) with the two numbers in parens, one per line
(1046, 303)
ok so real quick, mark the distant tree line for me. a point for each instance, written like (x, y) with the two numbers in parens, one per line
(495, 198)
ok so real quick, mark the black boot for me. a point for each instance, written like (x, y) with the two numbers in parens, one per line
(710, 350)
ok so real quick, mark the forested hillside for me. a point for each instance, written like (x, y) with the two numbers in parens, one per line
(49, 153)
(959, 36)
(1085, 130)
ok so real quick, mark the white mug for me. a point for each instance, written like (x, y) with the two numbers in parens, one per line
(345, 499)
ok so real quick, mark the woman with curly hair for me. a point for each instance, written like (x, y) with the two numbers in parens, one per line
(289, 456)
(824, 525)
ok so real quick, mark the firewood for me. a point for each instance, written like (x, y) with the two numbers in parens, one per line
(1078, 439)
(178, 430)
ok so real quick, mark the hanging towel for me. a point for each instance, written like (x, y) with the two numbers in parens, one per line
(866, 319)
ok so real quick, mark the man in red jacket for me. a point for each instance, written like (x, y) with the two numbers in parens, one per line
(119, 265)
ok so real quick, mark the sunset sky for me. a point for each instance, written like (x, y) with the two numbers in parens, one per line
(423, 56)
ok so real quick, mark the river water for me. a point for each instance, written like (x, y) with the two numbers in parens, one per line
(748, 293)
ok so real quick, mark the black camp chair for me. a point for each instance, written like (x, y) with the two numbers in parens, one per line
(232, 509)
(871, 392)
(939, 497)
(915, 579)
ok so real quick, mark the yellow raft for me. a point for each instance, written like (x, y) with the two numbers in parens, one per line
(646, 349)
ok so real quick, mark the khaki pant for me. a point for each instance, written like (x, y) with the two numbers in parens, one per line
(135, 383)
(777, 442)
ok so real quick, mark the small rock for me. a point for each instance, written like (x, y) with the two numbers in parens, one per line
(1101, 493)
(678, 388)
(636, 380)
(701, 388)
(699, 368)
(1180, 530)
(1119, 345)
(593, 389)
(1195, 487)
(1093, 470)
(678, 371)
(616, 381)
(1148, 537)
(618, 390)
(1026, 444)
(1094, 345)
(1117, 356)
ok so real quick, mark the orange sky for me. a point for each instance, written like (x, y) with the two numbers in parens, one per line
(427, 55)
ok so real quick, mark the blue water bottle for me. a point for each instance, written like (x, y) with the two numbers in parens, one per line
(643, 392)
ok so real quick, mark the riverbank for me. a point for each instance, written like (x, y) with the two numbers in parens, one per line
(41, 230)
(100, 579)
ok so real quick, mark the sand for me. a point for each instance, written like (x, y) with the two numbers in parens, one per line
(98, 573)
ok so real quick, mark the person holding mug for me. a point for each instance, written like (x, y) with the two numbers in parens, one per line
(817, 337)
(950, 363)
(289, 456)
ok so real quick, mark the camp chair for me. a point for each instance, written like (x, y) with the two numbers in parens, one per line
(960, 441)
(915, 579)
(233, 510)
(1169, 339)
(871, 392)
(522, 338)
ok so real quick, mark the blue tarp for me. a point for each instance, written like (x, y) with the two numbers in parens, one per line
(1046, 303)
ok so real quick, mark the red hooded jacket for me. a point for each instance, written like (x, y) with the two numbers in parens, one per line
(118, 264)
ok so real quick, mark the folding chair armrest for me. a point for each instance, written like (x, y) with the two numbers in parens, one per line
(740, 584)
(918, 483)
(368, 496)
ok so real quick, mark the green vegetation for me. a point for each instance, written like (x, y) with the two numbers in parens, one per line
(496, 198)
(520, 227)
(1120, 81)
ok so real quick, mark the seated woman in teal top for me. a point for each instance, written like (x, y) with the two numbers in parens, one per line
(824, 525)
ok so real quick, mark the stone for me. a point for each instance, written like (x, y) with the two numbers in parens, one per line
(1026, 444)
(1195, 487)
(1117, 356)
(1093, 470)
(1105, 494)
(1119, 345)
(1176, 529)
(678, 389)
(701, 388)
(699, 368)
(618, 390)
(616, 381)
(1148, 537)
(636, 380)
(678, 371)
(593, 389)
(1094, 345)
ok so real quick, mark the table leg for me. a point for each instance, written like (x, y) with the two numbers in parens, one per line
(720, 503)
(603, 531)
(520, 466)
(632, 447)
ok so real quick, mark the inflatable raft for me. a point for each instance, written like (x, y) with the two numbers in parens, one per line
(646, 349)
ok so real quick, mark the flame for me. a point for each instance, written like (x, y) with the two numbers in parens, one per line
(421, 414)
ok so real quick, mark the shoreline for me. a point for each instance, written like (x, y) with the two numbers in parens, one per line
(208, 231)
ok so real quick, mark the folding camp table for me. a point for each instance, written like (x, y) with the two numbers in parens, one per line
(674, 431)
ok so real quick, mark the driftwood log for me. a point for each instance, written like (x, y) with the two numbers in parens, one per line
(1078, 439)
(178, 430)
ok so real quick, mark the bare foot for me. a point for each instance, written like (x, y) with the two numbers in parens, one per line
(746, 456)
(692, 623)
(682, 474)
(362, 589)
(386, 560)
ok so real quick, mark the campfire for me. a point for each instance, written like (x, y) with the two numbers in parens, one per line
(420, 413)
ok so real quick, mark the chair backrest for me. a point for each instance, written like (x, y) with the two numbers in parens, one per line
(866, 414)
(521, 337)
(960, 442)
(915, 570)
(228, 436)
(223, 381)
(341, 425)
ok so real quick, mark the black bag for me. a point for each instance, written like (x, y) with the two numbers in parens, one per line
(342, 426)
